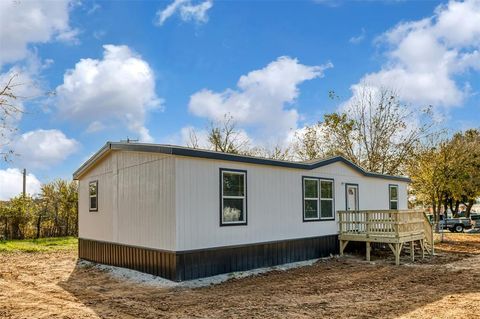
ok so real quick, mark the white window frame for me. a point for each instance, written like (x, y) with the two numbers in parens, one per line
(324, 199)
(390, 200)
(311, 198)
(91, 196)
(223, 197)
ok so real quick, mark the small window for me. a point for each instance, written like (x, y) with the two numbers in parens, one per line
(233, 197)
(93, 196)
(310, 199)
(317, 199)
(393, 196)
(326, 199)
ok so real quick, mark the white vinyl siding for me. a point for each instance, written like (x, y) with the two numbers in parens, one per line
(275, 198)
(136, 198)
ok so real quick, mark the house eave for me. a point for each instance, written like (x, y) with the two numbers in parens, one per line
(92, 160)
(205, 154)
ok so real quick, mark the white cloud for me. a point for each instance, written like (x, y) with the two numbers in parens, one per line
(329, 3)
(188, 11)
(25, 22)
(94, 8)
(359, 38)
(425, 56)
(119, 87)
(69, 36)
(43, 148)
(261, 100)
(197, 13)
(99, 34)
(11, 183)
(458, 23)
(95, 127)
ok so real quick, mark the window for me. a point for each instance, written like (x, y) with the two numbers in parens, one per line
(93, 196)
(310, 199)
(317, 199)
(233, 186)
(326, 199)
(393, 196)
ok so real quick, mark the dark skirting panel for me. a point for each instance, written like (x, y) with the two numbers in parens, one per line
(214, 261)
(187, 265)
(151, 261)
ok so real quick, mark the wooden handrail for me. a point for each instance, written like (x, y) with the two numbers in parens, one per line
(428, 227)
(395, 227)
(381, 222)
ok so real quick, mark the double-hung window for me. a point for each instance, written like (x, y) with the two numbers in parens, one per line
(310, 199)
(93, 196)
(326, 199)
(233, 201)
(393, 196)
(317, 199)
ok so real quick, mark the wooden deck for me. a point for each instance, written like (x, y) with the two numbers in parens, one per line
(398, 228)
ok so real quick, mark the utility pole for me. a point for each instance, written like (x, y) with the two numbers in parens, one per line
(24, 182)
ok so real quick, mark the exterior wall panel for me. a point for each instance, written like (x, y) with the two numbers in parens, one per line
(274, 202)
(97, 225)
(136, 200)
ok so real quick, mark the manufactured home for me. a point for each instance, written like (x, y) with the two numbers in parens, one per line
(184, 213)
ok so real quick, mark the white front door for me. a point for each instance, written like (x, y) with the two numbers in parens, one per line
(352, 197)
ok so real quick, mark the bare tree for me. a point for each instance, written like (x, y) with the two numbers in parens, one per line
(224, 136)
(192, 139)
(309, 143)
(9, 111)
(278, 152)
(221, 136)
(376, 131)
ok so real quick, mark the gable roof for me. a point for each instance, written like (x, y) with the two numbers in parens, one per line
(206, 154)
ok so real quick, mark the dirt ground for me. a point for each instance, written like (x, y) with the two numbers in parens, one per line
(52, 285)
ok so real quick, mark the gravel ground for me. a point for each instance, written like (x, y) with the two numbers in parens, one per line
(55, 285)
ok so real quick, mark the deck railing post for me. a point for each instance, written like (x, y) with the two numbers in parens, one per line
(433, 241)
(397, 224)
(367, 220)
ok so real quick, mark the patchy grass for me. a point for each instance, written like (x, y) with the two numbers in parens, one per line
(38, 245)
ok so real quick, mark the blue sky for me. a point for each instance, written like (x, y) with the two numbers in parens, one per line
(155, 69)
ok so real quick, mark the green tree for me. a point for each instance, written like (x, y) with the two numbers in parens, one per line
(464, 170)
(60, 205)
(17, 214)
(446, 173)
(428, 171)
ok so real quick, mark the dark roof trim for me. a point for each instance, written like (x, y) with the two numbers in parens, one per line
(190, 152)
